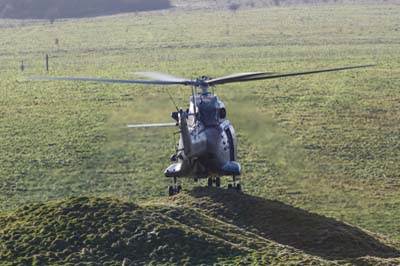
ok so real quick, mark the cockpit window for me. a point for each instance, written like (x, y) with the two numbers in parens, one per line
(222, 113)
(208, 110)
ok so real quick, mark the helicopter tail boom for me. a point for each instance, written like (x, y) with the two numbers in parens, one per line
(152, 125)
(187, 142)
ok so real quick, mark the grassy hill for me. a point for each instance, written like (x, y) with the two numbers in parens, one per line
(202, 226)
(46, 9)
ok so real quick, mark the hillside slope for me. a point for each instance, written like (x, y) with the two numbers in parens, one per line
(202, 226)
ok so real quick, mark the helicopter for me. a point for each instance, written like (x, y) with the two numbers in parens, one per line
(207, 147)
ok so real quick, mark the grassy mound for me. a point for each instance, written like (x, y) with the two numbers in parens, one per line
(45, 9)
(203, 226)
(91, 230)
(315, 234)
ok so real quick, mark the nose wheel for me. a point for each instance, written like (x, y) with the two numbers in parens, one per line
(174, 189)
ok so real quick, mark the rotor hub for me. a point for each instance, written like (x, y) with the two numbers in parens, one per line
(203, 84)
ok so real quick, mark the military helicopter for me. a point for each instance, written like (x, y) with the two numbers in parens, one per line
(207, 146)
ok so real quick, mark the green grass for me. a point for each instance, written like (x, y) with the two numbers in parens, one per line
(203, 227)
(326, 143)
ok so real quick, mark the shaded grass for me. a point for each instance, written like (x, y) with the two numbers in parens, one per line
(314, 234)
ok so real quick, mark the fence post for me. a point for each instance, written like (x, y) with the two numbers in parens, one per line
(47, 62)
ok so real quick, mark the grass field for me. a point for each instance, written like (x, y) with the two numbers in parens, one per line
(325, 143)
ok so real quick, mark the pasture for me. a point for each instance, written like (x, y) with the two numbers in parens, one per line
(327, 143)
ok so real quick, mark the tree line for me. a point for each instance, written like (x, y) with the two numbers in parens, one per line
(54, 9)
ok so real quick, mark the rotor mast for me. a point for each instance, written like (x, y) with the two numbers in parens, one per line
(203, 84)
(204, 89)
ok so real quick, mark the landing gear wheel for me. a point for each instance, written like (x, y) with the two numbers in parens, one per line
(218, 181)
(171, 191)
(235, 184)
(174, 189)
(209, 182)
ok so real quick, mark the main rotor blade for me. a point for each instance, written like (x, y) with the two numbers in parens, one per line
(161, 76)
(149, 82)
(152, 125)
(258, 77)
(238, 76)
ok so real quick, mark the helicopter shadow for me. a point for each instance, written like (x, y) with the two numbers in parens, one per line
(312, 233)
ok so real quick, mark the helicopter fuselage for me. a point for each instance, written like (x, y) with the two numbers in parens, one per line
(208, 144)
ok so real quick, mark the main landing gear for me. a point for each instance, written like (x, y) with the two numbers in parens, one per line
(237, 186)
(216, 181)
(174, 189)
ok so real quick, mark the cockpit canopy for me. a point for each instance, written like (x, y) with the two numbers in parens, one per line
(209, 110)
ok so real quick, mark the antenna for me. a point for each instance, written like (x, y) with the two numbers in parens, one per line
(172, 99)
(194, 109)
